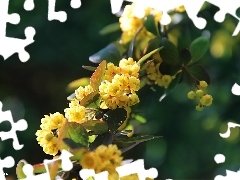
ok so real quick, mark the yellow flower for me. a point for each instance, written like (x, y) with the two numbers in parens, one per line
(75, 112)
(191, 95)
(118, 89)
(129, 23)
(203, 84)
(103, 158)
(155, 75)
(82, 92)
(89, 161)
(206, 100)
(47, 140)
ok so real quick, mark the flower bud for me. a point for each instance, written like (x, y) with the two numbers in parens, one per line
(191, 95)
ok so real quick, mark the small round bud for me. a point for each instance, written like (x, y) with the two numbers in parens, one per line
(206, 100)
(199, 93)
(199, 107)
(203, 84)
(49, 136)
(191, 95)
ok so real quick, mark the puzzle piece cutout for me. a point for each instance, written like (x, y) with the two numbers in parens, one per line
(192, 9)
(230, 175)
(7, 162)
(8, 45)
(65, 161)
(136, 167)
(20, 125)
(52, 14)
(220, 158)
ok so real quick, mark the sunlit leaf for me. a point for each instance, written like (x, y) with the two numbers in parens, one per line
(146, 56)
(90, 98)
(79, 82)
(115, 118)
(150, 25)
(199, 47)
(199, 73)
(77, 153)
(126, 143)
(169, 53)
(96, 125)
(19, 171)
(97, 76)
(110, 28)
(76, 132)
(140, 118)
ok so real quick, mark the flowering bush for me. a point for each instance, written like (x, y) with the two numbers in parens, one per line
(98, 126)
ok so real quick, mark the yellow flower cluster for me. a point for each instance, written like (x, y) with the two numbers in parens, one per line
(129, 23)
(155, 75)
(120, 84)
(47, 136)
(82, 92)
(75, 112)
(103, 158)
(203, 98)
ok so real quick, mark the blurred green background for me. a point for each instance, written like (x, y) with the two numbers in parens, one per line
(190, 139)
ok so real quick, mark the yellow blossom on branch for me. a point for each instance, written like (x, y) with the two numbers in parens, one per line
(119, 88)
(47, 136)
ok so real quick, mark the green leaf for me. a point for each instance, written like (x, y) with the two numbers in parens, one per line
(77, 133)
(167, 69)
(19, 171)
(71, 97)
(145, 57)
(151, 25)
(145, 65)
(199, 47)
(127, 143)
(199, 73)
(140, 119)
(110, 53)
(97, 76)
(97, 126)
(77, 83)
(71, 144)
(90, 68)
(110, 28)
(169, 53)
(90, 98)
(152, 44)
(115, 118)
(185, 56)
(102, 139)
(77, 153)
(132, 44)
(171, 86)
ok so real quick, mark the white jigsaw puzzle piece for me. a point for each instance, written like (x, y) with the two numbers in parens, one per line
(7, 162)
(192, 9)
(9, 46)
(65, 161)
(136, 167)
(20, 125)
